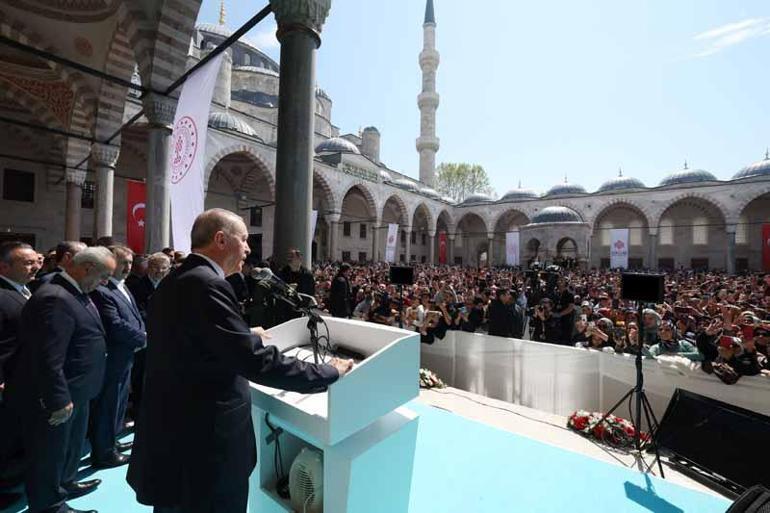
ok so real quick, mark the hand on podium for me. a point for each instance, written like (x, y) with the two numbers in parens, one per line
(342, 366)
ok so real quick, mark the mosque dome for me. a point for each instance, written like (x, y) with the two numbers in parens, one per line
(403, 183)
(556, 215)
(761, 168)
(688, 175)
(448, 199)
(385, 176)
(427, 191)
(224, 120)
(337, 145)
(621, 183)
(519, 194)
(565, 189)
(477, 198)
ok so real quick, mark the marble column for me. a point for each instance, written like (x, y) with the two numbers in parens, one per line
(72, 214)
(376, 228)
(730, 256)
(159, 111)
(408, 245)
(652, 251)
(299, 26)
(103, 159)
(432, 248)
(450, 249)
(490, 250)
(334, 234)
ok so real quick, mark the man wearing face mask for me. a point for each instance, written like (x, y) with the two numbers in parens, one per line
(62, 352)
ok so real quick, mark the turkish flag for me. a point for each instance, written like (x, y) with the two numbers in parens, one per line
(137, 195)
(766, 247)
(442, 248)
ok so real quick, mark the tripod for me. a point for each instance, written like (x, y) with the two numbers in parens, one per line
(642, 403)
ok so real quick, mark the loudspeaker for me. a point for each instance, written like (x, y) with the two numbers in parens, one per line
(720, 438)
(648, 288)
(754, 500)
(402, 275)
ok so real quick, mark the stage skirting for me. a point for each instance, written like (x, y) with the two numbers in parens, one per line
(561, 379)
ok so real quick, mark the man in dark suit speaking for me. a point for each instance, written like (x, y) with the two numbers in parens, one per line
(194, 447)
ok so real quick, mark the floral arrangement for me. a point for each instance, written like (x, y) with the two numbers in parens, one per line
(429, 380)
(614, 431)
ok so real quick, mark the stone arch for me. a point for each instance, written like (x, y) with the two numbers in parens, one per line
(428, 215)
(715, 203)
(112, 97)
(365, 192)
(243, 149)
(579, 208)
(445, 216)
(499, 217)
(642, 211)
(403, 209)
(323, 184)
(760, 191)
(468, 216)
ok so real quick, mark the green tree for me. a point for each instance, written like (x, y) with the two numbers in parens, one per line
(460, 180)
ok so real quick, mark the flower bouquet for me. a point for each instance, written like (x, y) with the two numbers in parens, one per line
(429, 380)
(614, 431)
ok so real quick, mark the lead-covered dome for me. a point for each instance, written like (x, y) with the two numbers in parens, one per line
(688, 175)
(337, 145)
(448, 199)
(403, 183)
(556, 215)
(519, 194)
(385, 176)
(230, 122)
(761, 168)
(565, 189)
(477, 198)
(433, 193)
(621, 183)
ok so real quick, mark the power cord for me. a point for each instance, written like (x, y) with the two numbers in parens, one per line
(281, 480)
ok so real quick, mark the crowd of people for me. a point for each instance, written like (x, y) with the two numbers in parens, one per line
(82, 311)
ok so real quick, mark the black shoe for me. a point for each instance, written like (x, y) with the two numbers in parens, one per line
(79, 489)
(114, 460)
(123, 447)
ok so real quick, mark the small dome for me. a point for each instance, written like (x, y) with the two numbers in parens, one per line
(385, 176)
(477, 198)
(688, 175)
(427, 191)
(761, 168)
(621, 183)
(448, 199)
(337, 145)
(556, 215)
(565, 189)
(519, 194)
(403, 183)
(227, 121)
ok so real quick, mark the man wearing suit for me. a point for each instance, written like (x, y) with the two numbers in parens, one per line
(194, 448)
(62, 351)
(65, 251)
(125, 334)
(340, 297)
(18, 265)
(158, 266)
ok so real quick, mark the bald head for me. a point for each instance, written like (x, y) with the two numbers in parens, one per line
(222, 236)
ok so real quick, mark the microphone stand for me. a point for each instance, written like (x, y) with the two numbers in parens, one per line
(312, 322)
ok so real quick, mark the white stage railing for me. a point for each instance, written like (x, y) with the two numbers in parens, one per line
(561, 379)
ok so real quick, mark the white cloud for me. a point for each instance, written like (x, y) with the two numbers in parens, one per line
(731, 34)
(264, 39)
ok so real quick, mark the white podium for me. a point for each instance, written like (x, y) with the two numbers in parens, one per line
(366, 436)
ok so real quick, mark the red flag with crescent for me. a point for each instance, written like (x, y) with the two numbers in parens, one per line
(766, 247)
(442, 248)
(137, 196)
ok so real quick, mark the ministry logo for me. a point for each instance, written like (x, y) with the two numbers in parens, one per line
(185, 146)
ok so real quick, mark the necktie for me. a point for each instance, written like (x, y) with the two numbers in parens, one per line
(25, 292)
(90, 306)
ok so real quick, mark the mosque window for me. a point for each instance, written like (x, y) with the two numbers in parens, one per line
(346, 229)
(89, 194)
(424, 239)
(635, 232)
(362, 231)
(362, 256)
(414, 237)
(18, 185)
(666, 232)
(255, 217)
(700, 231)
(742, 231)
(247, 59)
(346, 256)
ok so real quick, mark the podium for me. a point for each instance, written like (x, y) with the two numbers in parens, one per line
(360, 425)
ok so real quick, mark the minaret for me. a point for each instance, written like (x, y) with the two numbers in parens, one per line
(427, 100)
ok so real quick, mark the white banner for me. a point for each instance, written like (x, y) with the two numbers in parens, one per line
(512, 248)
(313, 222)
(187, 151)
(619, 248)
(390, 243)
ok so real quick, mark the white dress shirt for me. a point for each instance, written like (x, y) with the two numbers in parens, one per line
(216, 266)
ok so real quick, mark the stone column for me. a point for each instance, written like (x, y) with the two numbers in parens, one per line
(652, 254)
(730, 256)
(408, 245)
(299, 26)
(450, 249)
(334, 233)
(490, 250)
(159, 111)
(432, 248)
(103, 158)
(75, 180)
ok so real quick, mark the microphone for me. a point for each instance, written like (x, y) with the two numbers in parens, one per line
(265, 277)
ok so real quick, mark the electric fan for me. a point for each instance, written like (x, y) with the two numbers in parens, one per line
(306, 481)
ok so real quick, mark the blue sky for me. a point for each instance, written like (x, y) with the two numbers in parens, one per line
(536, 90)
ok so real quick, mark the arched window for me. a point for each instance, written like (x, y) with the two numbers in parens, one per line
(666, 232)
(605, 228)
(247, 59)
(742, 231)
(700, 234)
(635, 232)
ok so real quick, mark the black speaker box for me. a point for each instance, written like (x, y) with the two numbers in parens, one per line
(648, 288)
(402, 275)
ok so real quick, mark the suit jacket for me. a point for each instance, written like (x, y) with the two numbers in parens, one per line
(195, 423)
(340, 298)
(62, 348)
(142, 289)
(122, 322)
(11, 304)
(501, 319)
(43, 279)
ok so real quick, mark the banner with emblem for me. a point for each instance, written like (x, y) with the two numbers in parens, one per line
(188, 150)
(512, 248)
(390, 243)
(136, 196)
(442, 247)
(619, 248)
(766, 247)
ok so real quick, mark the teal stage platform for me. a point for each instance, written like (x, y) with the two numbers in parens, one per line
(462, 466)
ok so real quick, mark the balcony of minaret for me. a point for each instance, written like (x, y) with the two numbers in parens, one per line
(428, 99)
(431, 143)
(429, 59)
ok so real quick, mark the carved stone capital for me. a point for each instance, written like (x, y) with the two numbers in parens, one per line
(332, 218)
(76, 176)
(159, 110)
(104, 155)
(306, 13)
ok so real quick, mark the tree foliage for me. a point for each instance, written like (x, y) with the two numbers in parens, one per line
(460, 180)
